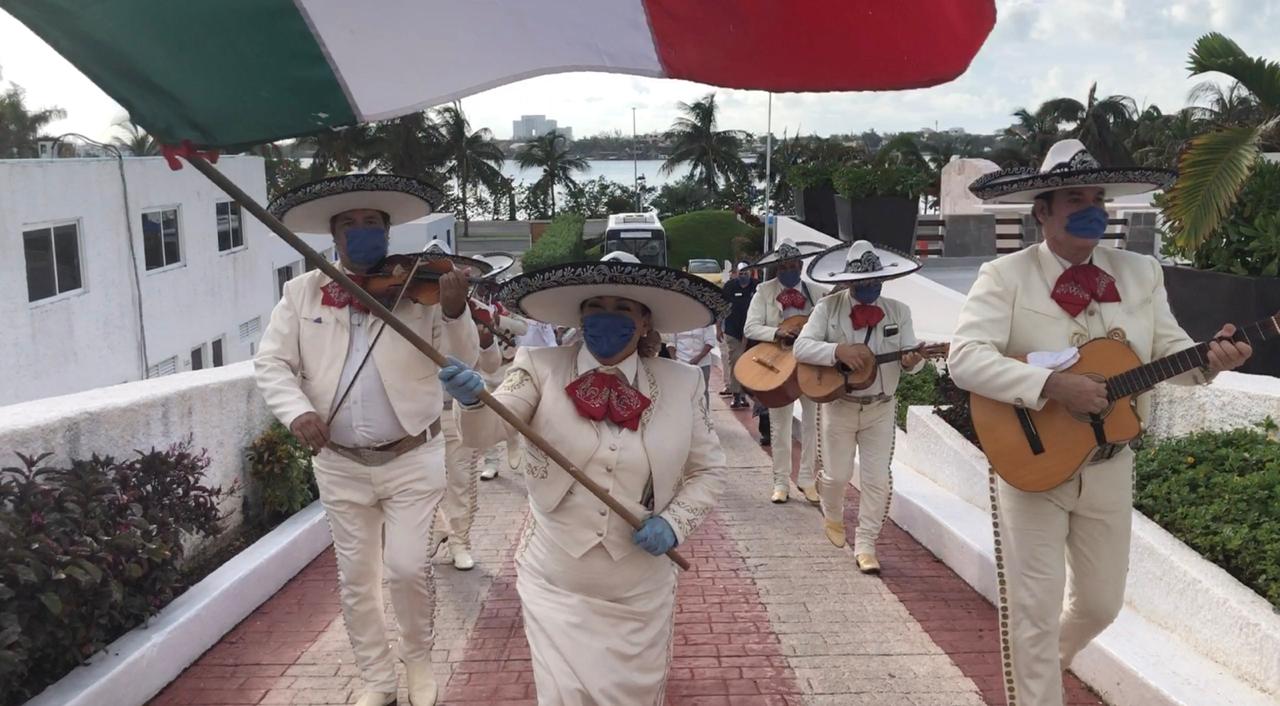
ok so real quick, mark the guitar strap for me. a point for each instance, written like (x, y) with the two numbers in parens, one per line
(1099, 433)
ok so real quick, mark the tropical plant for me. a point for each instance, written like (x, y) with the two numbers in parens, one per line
(135, 140)
(862, 181)
(683, 196)
(20, 127)
(280, 467)
(561, 242)
(600, 197)
(343, 150)
(712, 155)
(410, 145)
(1029, 139)
(1216, 165)
(1100, 123)
(1234, 105)
(469, 156)
(1248, 240)
(550, 154)
(1158, 139)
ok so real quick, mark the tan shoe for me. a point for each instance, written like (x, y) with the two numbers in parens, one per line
(422, 683)
(835, 533)
(376, 698)
(867, 563)
(462, 560)
(779, 496)
(810, 493)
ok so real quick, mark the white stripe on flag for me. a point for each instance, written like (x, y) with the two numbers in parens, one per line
(395, 56)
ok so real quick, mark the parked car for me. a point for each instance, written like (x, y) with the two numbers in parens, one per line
(707, 269)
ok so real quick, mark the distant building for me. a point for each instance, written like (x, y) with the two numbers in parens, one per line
(531, 126)
(98, 291)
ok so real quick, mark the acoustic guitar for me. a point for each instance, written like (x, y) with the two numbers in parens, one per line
(767, 369)
(826, 383)
(1039, 450)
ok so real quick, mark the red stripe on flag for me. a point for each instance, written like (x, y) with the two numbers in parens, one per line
(819, 45)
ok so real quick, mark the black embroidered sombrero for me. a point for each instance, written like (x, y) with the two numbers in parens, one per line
(678, 301)
(308, 208)
(786, 251)
(860, 262)
(1068, 164)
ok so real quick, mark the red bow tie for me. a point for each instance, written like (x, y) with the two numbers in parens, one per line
(792, 299)
(866, 315)
(1081, 284)
(332, 294)
(599, 395)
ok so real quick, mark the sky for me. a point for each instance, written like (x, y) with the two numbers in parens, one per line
(1040, 49)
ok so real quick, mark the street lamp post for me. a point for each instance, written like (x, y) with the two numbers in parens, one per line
(635, 167)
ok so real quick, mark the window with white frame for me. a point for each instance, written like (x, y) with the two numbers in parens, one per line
(284, 274)
(160, 238)
(168, 366)
(53, 260)
(230, 230)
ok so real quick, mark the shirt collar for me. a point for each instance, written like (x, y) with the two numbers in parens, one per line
(629, 367)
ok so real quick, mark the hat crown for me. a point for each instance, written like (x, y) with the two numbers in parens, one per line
(1068, 155)
(438, 247)
(621, 256)
(862, 258)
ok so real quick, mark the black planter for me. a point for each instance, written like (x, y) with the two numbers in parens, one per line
(815, 208)
(1202, 301)
(884, 220)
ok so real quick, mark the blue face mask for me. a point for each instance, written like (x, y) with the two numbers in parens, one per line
(1088, 223)
(790, 278)
(366, 246)
(607, 334)
(867, 293)
(744, 278)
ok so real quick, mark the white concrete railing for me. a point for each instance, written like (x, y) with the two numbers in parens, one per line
(220, 409)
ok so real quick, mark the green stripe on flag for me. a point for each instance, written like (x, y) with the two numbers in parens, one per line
(217, 72)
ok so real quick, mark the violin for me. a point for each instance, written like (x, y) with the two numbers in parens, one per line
(486, 328)
(392, 275)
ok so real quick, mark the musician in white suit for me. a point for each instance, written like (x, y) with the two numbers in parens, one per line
(1049, 298)
(379, 460)
(598, 596)
(861, 420)
(776, 300)
(508, 453)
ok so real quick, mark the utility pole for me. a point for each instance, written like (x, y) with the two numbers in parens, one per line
(768, 165)
(635, 167)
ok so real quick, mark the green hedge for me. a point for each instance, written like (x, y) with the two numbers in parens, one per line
(708, 234)
(920, 389)
(1219, 492)
(560, 243)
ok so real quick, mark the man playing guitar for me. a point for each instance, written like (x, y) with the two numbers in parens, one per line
(1048, 298)
(862, 419)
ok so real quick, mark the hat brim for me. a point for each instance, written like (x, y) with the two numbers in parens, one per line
(828, 267)
(807, 249)
(1023, 185)
(310, 207)
(500, 261)
(462, 262)
(677, 301)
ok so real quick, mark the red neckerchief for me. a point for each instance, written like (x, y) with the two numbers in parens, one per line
(866, 315)
(332, 294)
(599, 395)
(1081, 284)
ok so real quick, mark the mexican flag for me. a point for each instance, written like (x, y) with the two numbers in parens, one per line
(235, 72)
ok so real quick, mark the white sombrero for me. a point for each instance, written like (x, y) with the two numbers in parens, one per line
(499, 261)
(1068, 164)
(677, 301)
(309, 208)
(437, 248)
(788, 250)
(860, 262)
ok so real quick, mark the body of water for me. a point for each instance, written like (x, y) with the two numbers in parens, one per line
(613, 170)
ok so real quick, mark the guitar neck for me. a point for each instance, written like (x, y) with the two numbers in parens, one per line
(892, 356)
(1145, 377)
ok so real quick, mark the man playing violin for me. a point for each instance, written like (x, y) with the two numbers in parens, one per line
(370, 414)
(1050, 298)
(855, 318)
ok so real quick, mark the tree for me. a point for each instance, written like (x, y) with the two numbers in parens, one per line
(342, 150)
(1233, 106)
(550, 153)
(683, 196)
(1102, 124)
(600, 197)
(410, 145)
(135, 141)
(21, 128)
(1029, 139)
(711, 154)
(1216, 165)
(469, 156)
(1159, 138)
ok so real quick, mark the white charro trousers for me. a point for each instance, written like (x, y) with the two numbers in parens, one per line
(364, 503)
(780, 432)
(462, 473)
(1076, 537)
(869, 430)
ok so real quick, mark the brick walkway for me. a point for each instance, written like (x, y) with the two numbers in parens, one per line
(770, 614)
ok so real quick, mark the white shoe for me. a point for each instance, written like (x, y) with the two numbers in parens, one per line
(489, 472)
(515, 454)
(422, 683)
(376, 698)
(462, 560)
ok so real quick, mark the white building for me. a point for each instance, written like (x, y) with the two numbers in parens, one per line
(531, 126)
(98, 291)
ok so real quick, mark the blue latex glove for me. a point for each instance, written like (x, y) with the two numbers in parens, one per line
(655, 536)
(461, 382)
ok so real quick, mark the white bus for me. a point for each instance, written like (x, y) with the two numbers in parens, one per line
(640, 234)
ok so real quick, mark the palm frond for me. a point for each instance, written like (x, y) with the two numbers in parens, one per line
(1211, 173)
(1215, 52)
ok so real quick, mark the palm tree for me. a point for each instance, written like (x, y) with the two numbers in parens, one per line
(1158, 139)
(410, 145)
(1233, 106)
(557, 165)
(136, 141)
(470, 155)
(340, 151)
(713, 154)
(1030, 138)
(1216, 164)
(1100, 123)
(20, 128)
